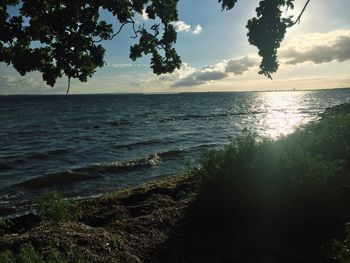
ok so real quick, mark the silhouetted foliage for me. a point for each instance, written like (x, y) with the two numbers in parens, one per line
(60, 38)
(295, 186)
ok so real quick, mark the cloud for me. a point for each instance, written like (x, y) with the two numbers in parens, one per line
(340, 51)
(126, 65)
(211, 75)
(307, 41)
(30, 84)
(218, 71)
(181, 26)
(121, 65)
(239, 66)
(199, 78)
(321, 48)
(144, 15)
(197, 29)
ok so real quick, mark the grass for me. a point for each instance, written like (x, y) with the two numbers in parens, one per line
(53, 207)
(7, 257)
(28, 254)
(298, 185)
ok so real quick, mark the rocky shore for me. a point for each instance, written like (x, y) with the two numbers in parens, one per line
(133, 225)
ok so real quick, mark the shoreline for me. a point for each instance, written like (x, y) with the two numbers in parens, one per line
(172, 93)
(134, 215)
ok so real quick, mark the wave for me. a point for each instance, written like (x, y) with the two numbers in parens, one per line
(37, 155)
(50, 180)
(5, 198)
(89, 172)
(119, 123)
(50, 153)
(171, 153)
(96, 170)
(142, 143)
(208, 116)
(123, 166)
(4, 167)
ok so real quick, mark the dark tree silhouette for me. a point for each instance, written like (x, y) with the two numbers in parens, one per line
(63, 37)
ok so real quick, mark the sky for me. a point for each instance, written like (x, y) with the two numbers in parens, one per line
(216, 55)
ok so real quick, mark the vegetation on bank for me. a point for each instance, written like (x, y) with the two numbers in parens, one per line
(28, 254)
(53, 207)
(297, 184)
(294, 192)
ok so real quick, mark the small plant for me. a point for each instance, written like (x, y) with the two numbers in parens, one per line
(28, 254)
(7, 257)
(2, 223)
(55, 256)
(115, 242)
(338, 252)
(53, 207)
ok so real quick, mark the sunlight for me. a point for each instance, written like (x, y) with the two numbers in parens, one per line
(284, 113)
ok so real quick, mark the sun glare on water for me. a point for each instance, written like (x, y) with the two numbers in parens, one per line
(284, 112)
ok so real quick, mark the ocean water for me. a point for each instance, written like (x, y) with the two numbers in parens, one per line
(93, 144)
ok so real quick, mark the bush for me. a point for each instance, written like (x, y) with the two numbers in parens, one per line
(54, 256)
(297, 184)
(53, 207)
(2, 225)
(7, 257)
(28, 254)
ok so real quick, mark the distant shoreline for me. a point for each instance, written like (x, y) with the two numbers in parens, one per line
(173, 93)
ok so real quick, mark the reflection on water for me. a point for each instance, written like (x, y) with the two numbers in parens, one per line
(284, 112)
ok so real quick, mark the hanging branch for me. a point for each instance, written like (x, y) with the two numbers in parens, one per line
(300, 15)
(130, 21)
(68, 88)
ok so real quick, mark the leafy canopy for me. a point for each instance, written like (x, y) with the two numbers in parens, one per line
(64, 37)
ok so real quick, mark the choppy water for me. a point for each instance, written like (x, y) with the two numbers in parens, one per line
(92, 144)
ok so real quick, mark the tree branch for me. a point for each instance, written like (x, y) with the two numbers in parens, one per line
(68, 88)
(131, 21)
(300, 15)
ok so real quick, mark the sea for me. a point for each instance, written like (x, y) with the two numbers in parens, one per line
(89, 145)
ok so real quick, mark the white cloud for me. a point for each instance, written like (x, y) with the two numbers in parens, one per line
(207, 74)
(121, 65)
(181, 26)
(318, 48)
(306, 42)
(339, 51)
(144, 15)
(31, 83)
(240, 65)
(197, 29)
(126, 65)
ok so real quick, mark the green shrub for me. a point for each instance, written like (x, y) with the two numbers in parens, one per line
(2, 223)
(7, 257)
(28, 254)
(55, 256)
(338, 252)
(297, 184)
(53, 207)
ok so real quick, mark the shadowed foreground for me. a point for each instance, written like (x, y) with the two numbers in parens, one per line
(147, 224)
